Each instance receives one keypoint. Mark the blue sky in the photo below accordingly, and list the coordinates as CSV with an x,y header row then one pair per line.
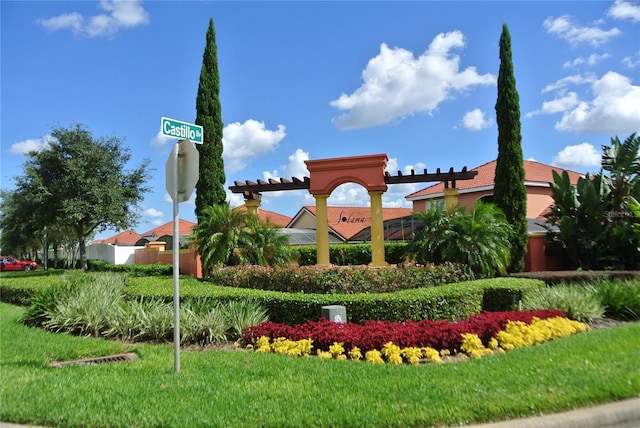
x,y
315,80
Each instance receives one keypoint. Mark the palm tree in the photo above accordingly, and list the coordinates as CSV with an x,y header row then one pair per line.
x,y
480,239
261,245
217,235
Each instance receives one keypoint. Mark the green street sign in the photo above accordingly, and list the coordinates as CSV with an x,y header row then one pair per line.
x,y
181,130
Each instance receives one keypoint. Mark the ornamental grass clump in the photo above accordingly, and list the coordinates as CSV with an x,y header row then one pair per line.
x,y
578,302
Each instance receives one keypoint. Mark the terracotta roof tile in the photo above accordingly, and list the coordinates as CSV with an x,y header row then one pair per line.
x,y
274,218
184,228
533,172
127,237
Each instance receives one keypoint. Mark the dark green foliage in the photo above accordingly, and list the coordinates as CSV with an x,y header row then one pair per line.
x,y
579,213
349,254
231,237
78,185
210,188
509,193
621,299
156,269
598,220
260,244
448,301
479,239
340,279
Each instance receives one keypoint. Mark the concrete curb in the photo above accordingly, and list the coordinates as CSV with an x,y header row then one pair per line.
x,y
620,414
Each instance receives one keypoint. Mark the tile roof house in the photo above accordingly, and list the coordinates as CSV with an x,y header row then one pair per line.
x,y
271,217
127,237
537,178
345,223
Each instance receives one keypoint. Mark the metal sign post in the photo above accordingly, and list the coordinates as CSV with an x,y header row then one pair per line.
x,y
176,261
181,177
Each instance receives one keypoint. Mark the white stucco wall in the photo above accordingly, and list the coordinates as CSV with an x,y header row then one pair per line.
x,y
115,254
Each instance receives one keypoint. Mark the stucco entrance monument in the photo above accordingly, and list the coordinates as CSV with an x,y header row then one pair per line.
x,y
368,171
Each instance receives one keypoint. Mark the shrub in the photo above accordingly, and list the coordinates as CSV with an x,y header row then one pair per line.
x,y
340,279
621,299
156,269
480,239
373,335
577,302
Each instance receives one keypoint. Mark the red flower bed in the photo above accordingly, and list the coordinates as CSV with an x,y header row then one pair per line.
x,y
375,334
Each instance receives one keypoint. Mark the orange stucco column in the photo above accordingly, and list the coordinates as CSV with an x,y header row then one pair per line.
x,y
451,199
252,205
322,230
377,232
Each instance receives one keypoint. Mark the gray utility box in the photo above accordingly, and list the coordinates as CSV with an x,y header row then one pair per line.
x,y
335,313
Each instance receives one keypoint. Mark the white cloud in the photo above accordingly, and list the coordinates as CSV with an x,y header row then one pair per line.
x,y
475,120
234,199
578,156
394,196
246,141
575,34
349,194
575,79
296,166
591,60
120,14
631,61
624,10
614,109
558,105
160,140
30,145
150,213
396,84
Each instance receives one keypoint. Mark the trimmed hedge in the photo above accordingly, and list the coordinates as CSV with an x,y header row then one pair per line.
x,y
349,254
445,302
340,279
19,289
156,269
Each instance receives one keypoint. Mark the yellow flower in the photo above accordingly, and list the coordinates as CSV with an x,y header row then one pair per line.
x,y
262,344
374,356
324,355
433,356
336,349
355,353
412,355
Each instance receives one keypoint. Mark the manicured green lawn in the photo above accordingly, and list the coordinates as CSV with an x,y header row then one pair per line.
x,y
237,388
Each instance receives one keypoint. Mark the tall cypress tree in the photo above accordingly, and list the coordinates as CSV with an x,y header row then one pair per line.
x,y
509,193
210,187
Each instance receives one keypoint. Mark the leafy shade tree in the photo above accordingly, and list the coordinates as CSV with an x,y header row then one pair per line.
x,y
510,194
479,239
79,184
210,188
21,231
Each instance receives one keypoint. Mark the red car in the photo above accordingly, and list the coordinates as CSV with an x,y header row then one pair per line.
x,y
11,263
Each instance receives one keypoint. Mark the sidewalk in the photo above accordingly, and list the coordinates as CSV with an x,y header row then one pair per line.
x,y
620,414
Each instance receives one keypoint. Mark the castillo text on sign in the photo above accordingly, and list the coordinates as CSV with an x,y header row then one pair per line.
x,y
181,130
